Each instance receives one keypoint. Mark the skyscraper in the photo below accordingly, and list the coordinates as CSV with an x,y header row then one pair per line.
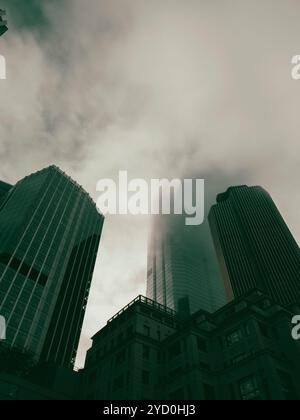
x,y
182,268
49,236
254,246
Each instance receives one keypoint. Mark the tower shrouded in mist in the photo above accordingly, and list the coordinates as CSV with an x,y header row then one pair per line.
x,y
49,236
182,268
254,246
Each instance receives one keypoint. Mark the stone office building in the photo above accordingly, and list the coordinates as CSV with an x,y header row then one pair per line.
x,y
244,351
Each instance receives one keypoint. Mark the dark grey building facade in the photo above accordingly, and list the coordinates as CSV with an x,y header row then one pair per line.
x,y
49,236
244,351
255,248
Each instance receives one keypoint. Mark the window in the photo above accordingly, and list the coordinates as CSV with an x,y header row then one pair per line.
x,y
232,392
204,365
202,346
263,330
93,377
145,377
120,358
266,304
209,392
156,316
175,373
287,386
234,337
118,382
221,343
146,330
177,395
160,357
247,330
249,389
24,269
146,352
145,311
174,350
275,333
129,331
128,378
241,357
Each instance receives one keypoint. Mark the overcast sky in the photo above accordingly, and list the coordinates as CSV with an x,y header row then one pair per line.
x,y
160,88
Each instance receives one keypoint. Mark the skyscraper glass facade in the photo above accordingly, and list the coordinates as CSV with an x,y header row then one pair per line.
x,y
182,267
254,245
49,236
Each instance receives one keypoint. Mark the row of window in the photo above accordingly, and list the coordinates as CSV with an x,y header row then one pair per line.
x,y
250,388
95,356
239,334
121,380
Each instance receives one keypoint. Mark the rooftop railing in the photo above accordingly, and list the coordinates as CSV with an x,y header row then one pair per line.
x,y
146,301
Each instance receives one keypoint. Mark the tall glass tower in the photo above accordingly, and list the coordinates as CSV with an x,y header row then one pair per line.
x,y
49,236
254,246
182,268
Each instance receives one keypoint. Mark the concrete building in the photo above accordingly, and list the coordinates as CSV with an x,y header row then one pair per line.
x,y
244,351
123,362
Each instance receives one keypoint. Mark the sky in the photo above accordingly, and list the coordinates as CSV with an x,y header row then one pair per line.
x,y
160,88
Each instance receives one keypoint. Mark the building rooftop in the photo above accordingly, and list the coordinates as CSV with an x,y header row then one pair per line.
x,y
71,180
140,300
225,195
146,301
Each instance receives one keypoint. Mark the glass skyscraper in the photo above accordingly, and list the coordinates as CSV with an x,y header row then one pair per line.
x,y
49,236
182,268
254,246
